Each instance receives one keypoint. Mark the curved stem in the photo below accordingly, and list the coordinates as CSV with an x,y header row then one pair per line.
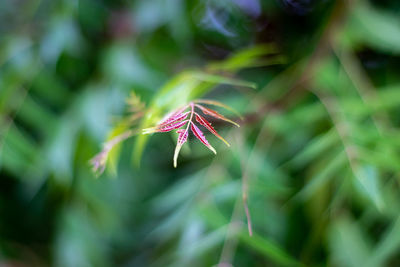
x,y
191,116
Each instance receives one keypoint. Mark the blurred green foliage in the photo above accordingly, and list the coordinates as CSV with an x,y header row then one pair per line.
x,y
317,152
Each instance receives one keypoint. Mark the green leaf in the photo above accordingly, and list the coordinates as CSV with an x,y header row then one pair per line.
x,y
250,57
368,177
217,79
268,249
195,248
384,99
323,176
314,149
387,246
348,245
377,28
36,115
113,155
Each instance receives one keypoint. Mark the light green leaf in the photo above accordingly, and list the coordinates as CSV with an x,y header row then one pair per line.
x,y
268,249
368,177
348,245
250,57
377,28
314,149
386,247
323,176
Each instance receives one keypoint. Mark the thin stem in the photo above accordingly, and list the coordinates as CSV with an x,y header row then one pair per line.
x,y
361,83
230,243
99,161
191,116
246,210
342,128
198,106
119,138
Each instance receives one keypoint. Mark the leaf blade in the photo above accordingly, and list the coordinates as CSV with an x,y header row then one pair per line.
x,y
206,124
182,137
215,114
218,104
199,134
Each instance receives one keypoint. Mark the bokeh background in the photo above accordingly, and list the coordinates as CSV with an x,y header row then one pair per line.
x,y
317,153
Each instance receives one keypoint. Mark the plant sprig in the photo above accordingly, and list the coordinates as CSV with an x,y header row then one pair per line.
x,y
185,118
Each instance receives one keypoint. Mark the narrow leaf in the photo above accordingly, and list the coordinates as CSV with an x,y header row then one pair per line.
x,y
206,124
199,134
175,118
215,114
166,128
170,117
218,104
183,135
269,249
221,79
